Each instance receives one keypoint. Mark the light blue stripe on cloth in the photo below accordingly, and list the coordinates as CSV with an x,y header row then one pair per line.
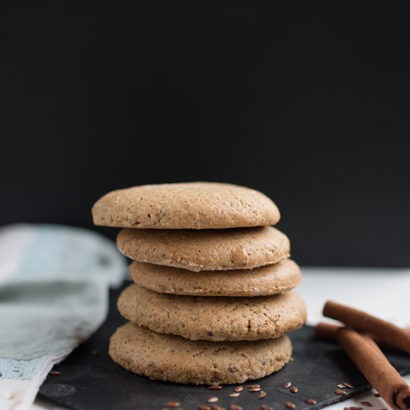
x,y
20,369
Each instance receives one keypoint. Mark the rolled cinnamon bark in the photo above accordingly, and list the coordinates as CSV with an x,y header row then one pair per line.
x,y
328,331
370,360
384,331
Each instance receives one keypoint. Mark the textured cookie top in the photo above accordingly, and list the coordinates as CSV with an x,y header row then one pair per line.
x,y
213,318
213,249
192,205
266,280
174,359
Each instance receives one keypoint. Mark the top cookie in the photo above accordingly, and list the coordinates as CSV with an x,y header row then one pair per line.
x,y
191,205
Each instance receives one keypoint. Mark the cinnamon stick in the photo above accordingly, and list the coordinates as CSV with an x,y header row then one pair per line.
x,y
384,331
370,360
328,331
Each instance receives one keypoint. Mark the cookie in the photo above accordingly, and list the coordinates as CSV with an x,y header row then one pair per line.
x,y
213,318
174,359
263,281
192,205
240,248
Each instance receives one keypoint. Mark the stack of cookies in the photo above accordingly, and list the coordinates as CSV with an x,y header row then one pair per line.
x,y
211,300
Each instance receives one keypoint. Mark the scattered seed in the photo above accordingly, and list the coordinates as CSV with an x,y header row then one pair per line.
x,y
366,403
310,401
287,385
254,389
341,392
235,407
214,387
353,408
293,389
213,399
253,386
348,385
94,352
55,373
341,386
204,407
172,404
216,407
290,405
377,395
262,395
266,407
238,388
235,394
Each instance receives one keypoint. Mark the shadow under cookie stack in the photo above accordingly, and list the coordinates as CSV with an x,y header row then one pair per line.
x,y
211,301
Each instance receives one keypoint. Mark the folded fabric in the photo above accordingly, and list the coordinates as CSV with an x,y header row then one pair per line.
x,y
54,284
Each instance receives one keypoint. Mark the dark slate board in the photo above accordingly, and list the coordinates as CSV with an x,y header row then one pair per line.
x,y
95,382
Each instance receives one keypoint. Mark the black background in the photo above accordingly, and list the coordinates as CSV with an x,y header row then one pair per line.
x,y
308,103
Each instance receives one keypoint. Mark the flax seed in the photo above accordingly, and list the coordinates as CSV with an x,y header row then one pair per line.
x,y
287,385
293,389
238,388
266,407
341,392
348,385
55,373
290,405
366,403
235,394
213,400
204,407
254,389
252,386
214,387
310,401
172,404
262,395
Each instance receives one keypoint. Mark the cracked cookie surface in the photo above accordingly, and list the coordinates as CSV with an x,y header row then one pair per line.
x,y
213,318
266,280
191,205
174,359
213,249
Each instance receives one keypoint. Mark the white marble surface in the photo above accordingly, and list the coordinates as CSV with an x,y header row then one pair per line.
x,y
383,292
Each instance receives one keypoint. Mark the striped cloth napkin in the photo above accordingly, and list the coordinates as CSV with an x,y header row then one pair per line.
x,y
54,283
